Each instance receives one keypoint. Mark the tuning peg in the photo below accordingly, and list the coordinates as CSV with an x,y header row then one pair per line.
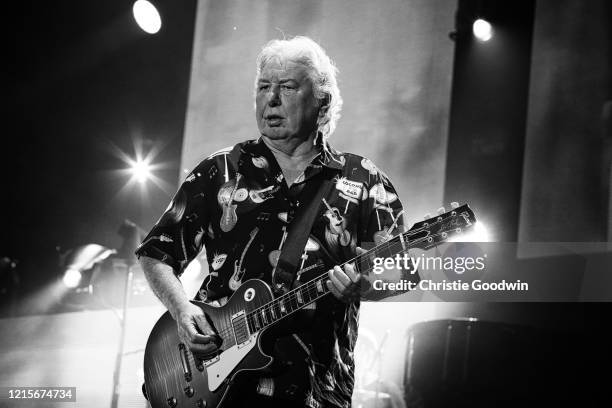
x,y
454,205
427,216
441,210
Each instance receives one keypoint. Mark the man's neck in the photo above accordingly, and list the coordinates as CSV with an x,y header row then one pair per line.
x,y
292,152
292,147
292,157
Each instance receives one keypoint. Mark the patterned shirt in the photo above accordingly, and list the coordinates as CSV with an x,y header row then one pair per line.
x,y
237,205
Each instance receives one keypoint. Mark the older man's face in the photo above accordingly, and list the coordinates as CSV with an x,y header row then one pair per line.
x,y
285,106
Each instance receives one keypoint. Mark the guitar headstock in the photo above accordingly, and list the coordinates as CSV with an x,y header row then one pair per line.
x,y
445,225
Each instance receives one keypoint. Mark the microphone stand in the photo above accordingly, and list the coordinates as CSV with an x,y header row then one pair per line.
x,y
379,353
129,277
131,238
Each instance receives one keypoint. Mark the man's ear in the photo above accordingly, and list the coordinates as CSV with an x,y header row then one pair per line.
x,y
324,106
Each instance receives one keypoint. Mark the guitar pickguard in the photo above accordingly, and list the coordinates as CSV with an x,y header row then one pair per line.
x,y
220,368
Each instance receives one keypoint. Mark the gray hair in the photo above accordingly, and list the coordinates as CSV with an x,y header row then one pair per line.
x,y
321,71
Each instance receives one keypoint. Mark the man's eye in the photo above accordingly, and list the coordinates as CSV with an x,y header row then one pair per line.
x,y
263,87
287,87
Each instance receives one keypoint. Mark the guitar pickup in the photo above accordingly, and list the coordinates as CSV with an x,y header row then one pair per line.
x,y
240,327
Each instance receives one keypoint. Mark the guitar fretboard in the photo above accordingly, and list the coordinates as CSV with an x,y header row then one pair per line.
x,y
425,235
313,290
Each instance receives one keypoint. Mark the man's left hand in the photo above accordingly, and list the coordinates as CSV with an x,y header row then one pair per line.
x,y
345,284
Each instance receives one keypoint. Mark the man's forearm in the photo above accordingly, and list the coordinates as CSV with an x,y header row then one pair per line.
x,y
164,284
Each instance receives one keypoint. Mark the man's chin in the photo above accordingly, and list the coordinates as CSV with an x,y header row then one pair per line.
x,y
275,134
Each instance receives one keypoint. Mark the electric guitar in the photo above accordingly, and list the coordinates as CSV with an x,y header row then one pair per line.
x,y
174,377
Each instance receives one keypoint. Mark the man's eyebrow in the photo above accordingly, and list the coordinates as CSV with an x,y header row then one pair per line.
x,y
282,81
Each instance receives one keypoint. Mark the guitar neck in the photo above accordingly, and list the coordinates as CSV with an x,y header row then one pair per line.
x,y
300,297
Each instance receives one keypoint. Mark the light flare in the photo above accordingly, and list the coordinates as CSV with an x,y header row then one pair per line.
x,y
72,278
482,30
147,17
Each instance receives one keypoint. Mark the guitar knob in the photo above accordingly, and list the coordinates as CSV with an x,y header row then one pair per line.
x,y
200,364
454,205
189,391
171,402
200,403
441,210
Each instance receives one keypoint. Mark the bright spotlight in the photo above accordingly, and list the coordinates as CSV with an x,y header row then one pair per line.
x,y
141,171
482,30
141,166
147,16
72,278
478,233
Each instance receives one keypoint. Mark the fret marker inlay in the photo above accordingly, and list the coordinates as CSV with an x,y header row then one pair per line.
x,y
319,286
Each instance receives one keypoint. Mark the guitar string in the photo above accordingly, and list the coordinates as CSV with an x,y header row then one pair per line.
x,y
292,295
253,318
307,287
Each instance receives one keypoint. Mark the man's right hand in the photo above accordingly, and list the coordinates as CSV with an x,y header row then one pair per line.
x,y
195,331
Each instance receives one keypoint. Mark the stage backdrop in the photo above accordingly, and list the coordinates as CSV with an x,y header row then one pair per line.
x,y
566,172
395,62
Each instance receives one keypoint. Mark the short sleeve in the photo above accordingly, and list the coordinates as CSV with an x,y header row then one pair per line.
x,y
383,211
177,237
384,220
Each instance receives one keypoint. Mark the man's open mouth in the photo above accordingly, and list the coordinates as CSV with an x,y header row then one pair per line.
x,y
274,120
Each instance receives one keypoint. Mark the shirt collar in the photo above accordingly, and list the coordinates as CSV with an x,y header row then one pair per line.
x,y
329,157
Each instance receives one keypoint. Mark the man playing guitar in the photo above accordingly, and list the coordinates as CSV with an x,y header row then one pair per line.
x,y
220,206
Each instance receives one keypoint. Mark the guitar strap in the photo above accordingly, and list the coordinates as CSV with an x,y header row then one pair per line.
x,y
297,236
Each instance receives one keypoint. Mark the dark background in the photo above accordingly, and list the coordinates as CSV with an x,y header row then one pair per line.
x,y
85,82
527,136
83,77
527,140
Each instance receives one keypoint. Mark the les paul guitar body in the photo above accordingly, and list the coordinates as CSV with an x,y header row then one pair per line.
x,y
174,377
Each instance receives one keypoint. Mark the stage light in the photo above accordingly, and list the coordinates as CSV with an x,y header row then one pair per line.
x,y
482,30
81,259
141,166
478,233
141,170
72,278
147,16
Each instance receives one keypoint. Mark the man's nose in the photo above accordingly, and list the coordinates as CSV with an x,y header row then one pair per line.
x,y
274,95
